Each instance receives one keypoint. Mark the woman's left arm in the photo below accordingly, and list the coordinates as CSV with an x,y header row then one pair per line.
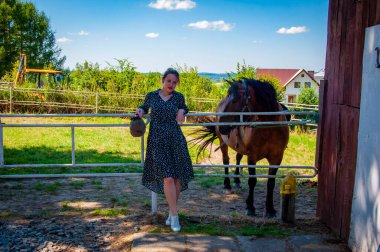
x,y
182,109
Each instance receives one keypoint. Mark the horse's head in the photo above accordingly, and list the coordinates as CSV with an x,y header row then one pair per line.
x,y
238,99
246,95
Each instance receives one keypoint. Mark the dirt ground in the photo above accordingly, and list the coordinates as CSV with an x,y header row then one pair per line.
x,y
101,214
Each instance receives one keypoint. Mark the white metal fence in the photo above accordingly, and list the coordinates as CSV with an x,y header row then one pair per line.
x,y
141,164
76,125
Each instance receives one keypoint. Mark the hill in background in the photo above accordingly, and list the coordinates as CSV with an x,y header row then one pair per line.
x,y
215,77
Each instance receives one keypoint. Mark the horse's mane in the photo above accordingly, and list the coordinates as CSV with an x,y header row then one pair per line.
x,y
265,94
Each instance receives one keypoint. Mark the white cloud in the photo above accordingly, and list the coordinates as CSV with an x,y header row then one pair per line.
x,y
83,33
219,25
80,33
152,35
63,40
292,30
257,41
173,4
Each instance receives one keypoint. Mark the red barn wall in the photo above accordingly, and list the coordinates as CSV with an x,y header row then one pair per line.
x,y
339,109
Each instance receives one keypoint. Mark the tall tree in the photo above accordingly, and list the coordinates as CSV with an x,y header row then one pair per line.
x,y
24,29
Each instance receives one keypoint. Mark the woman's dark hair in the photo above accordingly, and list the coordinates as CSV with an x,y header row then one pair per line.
x,y
170,71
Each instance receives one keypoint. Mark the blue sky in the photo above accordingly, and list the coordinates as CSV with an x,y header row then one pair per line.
x,y
213,35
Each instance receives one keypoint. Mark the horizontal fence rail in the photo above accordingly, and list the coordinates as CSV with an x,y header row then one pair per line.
x,y
13,97
298,106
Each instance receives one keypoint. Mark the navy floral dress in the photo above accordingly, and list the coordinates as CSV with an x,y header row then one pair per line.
x,y
167,154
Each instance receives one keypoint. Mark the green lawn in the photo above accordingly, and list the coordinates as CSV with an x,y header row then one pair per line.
x,y
103,145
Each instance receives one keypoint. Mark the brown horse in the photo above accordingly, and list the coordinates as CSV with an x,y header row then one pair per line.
x,y
249,95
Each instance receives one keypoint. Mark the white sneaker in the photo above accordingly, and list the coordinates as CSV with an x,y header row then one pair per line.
x,y
175,223
168,221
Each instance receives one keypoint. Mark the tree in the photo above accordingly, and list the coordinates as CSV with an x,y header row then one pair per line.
x,y
308,96
23,29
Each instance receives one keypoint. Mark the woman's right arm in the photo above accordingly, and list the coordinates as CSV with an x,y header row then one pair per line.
x,y
144,109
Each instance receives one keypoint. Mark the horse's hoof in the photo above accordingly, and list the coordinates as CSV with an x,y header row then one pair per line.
x,y
251,212
271,214
227,191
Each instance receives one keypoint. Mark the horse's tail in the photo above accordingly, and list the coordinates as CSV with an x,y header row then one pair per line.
x,y
203,137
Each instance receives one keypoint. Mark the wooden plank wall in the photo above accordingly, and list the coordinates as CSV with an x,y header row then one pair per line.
x,y
340,107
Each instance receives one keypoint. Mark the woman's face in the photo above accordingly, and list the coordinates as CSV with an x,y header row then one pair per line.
x,y
169,83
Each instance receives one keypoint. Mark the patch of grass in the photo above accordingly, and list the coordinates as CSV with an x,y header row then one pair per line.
x,y
77,184
45,214
235,214
208,182
207,228
118,202
110,212
17,187
122,203
147,203
48,188
265,230
53,145
112,145
96,182
7,214
66,207
215,228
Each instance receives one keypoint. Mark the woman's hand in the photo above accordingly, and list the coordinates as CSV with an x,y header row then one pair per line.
x,y
180,116
139,112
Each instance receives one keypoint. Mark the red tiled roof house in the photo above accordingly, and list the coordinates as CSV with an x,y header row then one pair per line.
x,y
293,80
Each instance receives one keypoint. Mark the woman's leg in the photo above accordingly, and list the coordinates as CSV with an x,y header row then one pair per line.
x,y
177,183
171,195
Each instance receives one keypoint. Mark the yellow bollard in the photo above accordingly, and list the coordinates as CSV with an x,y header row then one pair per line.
x,y
288,198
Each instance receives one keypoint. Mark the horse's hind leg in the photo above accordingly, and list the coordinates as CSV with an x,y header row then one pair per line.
x,y
252,183
226,161
237,170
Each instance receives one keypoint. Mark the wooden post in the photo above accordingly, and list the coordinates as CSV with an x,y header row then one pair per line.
x,y
288,198
96,102
1,145
10,99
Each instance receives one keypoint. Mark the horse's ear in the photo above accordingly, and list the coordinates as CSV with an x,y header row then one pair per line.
x,y
229,82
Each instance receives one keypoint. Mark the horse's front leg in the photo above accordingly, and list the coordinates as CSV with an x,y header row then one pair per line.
x,y
237,170
252,183
270,211
226,161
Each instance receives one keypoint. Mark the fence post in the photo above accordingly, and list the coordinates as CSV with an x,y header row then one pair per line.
x,y
72,145
96,102
10,99
154,195
1,144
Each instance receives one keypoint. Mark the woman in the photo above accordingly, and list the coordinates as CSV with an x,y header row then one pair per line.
x,y
167,168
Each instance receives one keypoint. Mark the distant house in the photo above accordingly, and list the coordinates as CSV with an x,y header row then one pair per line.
x,y
319,76
293,80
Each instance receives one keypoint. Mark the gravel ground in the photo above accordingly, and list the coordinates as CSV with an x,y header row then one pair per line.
x,y
102,214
